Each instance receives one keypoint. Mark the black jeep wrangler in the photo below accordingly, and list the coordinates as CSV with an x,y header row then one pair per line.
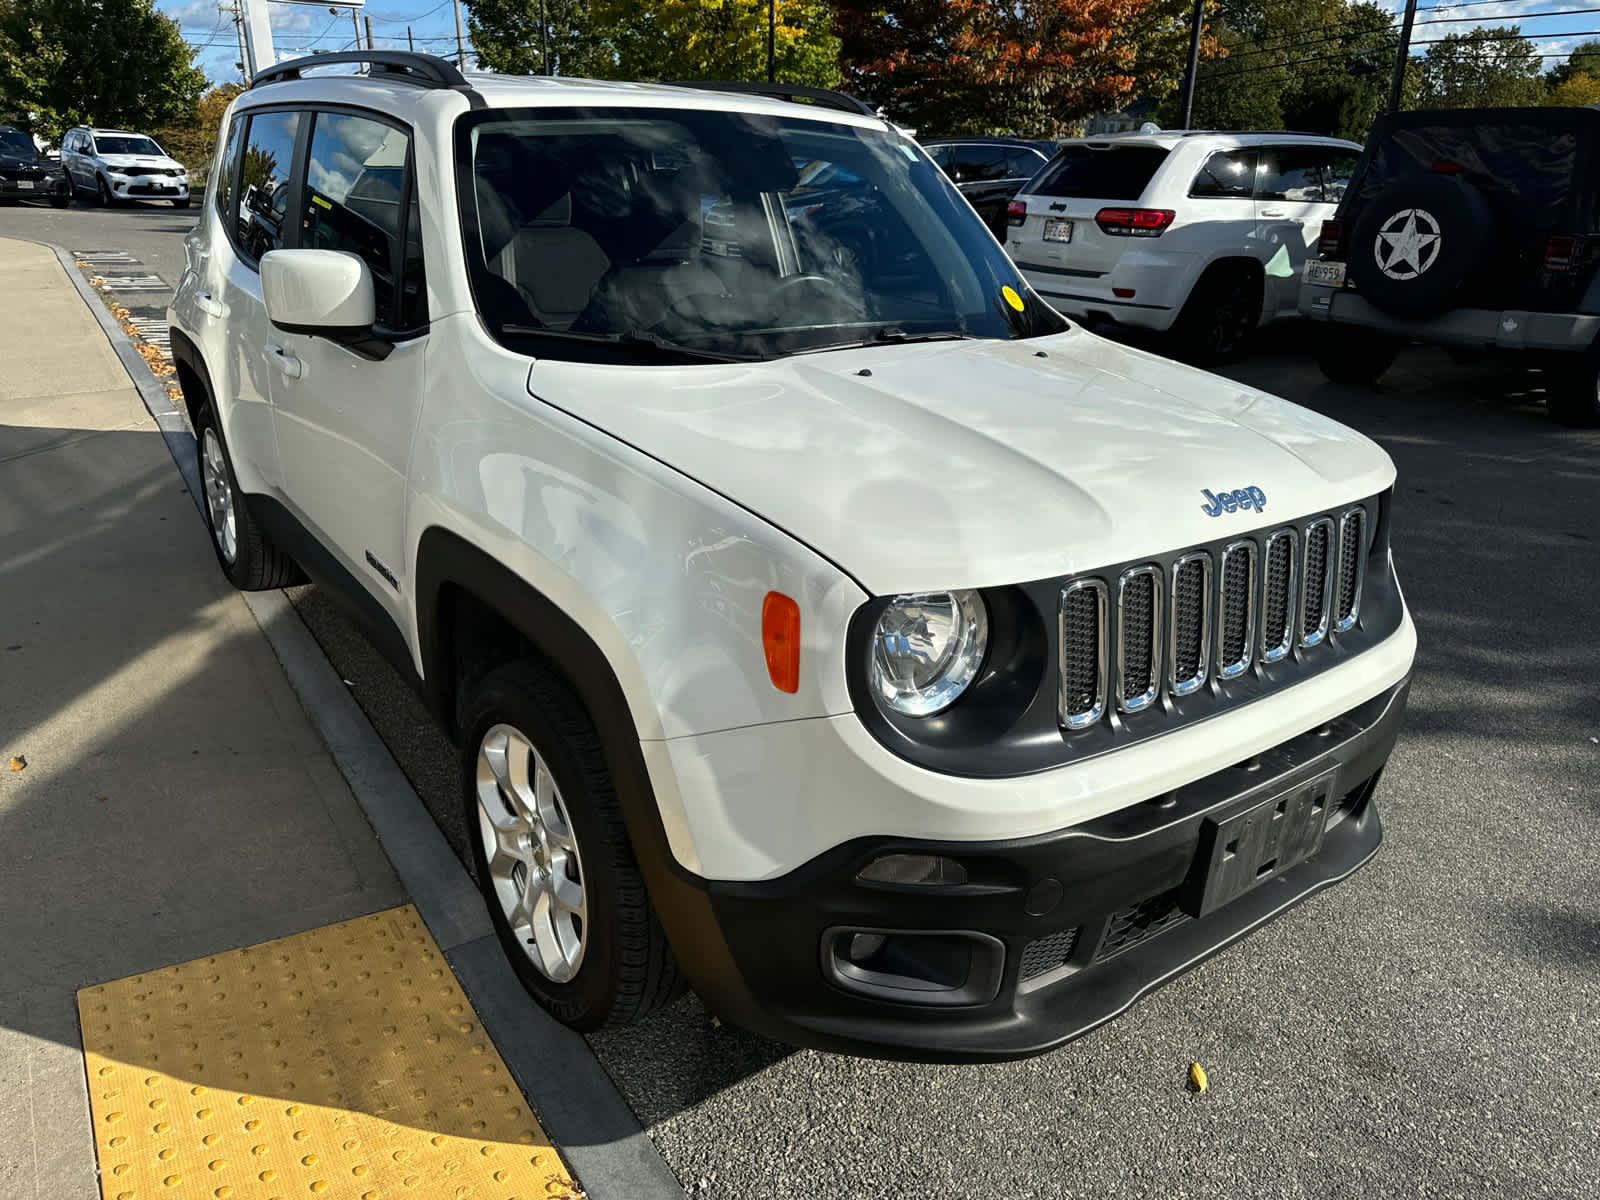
x,y
1471,228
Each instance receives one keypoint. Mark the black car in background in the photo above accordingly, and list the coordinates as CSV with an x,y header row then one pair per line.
x,y
1477,229
25,174
990,170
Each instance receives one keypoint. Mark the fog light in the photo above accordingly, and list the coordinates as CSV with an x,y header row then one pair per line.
x,y
914,869
915,966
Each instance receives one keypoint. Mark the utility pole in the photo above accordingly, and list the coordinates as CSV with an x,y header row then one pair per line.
x,y
244,56
356,21
1401,55
772,39
369,34
1193,68
544,41
461,45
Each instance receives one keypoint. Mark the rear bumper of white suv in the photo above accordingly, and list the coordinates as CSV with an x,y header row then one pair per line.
x,y
1145,289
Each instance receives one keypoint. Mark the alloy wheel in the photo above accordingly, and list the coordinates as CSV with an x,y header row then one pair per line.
x,y
219,496
534,866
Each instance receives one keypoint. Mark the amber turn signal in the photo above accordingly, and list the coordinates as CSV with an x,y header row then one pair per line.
x,y
780,637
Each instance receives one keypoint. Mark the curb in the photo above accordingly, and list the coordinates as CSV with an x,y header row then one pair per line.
x,y
578,1105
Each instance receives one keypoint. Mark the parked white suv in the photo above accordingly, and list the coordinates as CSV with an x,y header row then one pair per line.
x,y
823,620
1202,234
113,165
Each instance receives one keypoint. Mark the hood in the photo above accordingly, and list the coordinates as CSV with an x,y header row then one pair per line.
x,y
12,161
970,464
140,160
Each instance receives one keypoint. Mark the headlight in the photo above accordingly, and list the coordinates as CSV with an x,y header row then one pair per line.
x,y
927,649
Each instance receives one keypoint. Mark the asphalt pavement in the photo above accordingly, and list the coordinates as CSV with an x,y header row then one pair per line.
x,y
1426,1028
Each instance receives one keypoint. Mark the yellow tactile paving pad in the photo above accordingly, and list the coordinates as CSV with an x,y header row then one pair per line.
x,y
342,1062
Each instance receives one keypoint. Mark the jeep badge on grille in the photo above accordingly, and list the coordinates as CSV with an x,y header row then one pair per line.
x,y
1245,498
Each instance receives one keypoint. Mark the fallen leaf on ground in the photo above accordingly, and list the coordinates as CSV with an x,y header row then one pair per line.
x,y
18,762
1197,1077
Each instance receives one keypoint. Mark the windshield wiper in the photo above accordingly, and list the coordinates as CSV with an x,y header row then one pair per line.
x,y
894,335
632,338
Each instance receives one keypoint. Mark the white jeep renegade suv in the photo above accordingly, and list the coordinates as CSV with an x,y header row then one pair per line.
x,y
824,621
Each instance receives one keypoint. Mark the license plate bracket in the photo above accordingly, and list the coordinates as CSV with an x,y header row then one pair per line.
x,y
1057,230
1241,851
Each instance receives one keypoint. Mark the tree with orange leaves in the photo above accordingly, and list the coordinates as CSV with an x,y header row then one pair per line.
x,y
1010,66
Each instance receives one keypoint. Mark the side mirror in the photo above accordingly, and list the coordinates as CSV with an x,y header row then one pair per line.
x,y
326,292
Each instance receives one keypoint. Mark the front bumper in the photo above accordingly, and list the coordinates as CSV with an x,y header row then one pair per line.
x,y
1063,931
42,189
149,187
1506,329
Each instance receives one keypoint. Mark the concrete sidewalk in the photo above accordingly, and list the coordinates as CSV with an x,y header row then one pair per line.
x,y
176,800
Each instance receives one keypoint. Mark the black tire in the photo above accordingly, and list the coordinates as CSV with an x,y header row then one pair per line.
x,y
256,564
1456,228
1573,396
103,192
1221,313
626,969
1350,354
184,203
61,201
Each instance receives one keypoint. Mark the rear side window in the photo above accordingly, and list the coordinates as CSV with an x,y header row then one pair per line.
x,y
1108,172
227,166
1292,173
1337,173
355,200
263,181
1227,174
1021,163
975,164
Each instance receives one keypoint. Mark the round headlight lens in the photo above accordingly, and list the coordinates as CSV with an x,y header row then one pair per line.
x,y
927,649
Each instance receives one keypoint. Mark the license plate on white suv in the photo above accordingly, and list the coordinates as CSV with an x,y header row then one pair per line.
x,y
1058,231
1328,274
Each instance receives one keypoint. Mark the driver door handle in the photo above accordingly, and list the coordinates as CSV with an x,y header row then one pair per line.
x,y
210,305
286,361
1273,212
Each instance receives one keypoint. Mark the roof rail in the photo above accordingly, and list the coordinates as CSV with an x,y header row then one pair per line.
x,y
425,70
842,101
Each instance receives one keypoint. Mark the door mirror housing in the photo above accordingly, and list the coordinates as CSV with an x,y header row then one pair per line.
x,y
326,292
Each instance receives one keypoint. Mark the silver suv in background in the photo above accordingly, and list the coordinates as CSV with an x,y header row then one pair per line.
x,y
113,165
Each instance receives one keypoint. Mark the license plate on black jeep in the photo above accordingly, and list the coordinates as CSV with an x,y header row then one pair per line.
x,y
1240,852
1328,274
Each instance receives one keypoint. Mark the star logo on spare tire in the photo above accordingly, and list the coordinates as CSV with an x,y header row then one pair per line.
x,y
1408,244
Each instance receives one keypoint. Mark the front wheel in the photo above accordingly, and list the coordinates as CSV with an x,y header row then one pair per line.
x,y
1574,393
184,203
1347,354
552,856
248,557
62,200
102,192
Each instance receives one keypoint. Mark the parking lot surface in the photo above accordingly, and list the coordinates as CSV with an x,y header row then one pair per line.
x,y
1426,1028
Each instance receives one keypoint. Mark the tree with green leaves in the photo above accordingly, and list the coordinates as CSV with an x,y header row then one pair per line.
x,y
1482,68
720,39
510,35
1577,90
1584,60
99,62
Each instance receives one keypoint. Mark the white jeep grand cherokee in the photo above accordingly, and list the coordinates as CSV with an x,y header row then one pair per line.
x,y
824,621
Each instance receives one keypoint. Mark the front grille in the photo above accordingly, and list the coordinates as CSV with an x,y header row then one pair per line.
x,y
1140,922
1352,569
1251,607
1138,638
1316,582
1047,953
1083,653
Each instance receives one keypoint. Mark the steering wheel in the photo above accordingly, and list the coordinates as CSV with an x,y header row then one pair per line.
x,y
795,282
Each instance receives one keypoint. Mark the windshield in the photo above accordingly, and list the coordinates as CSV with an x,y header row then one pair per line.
x,y
731,235
110,143
12,142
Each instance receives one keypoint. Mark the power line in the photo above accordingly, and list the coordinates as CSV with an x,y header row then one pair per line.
x,y
1389,32
418,17
1345,56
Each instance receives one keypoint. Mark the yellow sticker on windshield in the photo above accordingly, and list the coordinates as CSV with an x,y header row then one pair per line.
x,y
1011,297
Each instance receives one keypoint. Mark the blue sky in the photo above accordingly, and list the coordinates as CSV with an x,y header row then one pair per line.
x,y
300,28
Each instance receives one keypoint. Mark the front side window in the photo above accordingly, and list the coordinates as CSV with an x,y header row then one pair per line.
x,y
263,182
113,143
1292,173
1227,174
714,234
354,193
977,164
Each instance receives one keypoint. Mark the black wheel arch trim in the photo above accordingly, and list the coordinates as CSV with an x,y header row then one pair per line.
x,y
681,902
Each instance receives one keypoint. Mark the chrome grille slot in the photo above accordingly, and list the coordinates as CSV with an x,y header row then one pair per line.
x,y
1277,596
1352,569
1236,615
1083,653
1138,638
1316,582
1189,623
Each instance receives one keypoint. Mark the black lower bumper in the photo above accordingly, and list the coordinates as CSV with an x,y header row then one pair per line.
x,y
1050,936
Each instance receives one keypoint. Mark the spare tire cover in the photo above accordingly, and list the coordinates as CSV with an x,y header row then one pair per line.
x,y
1417,243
